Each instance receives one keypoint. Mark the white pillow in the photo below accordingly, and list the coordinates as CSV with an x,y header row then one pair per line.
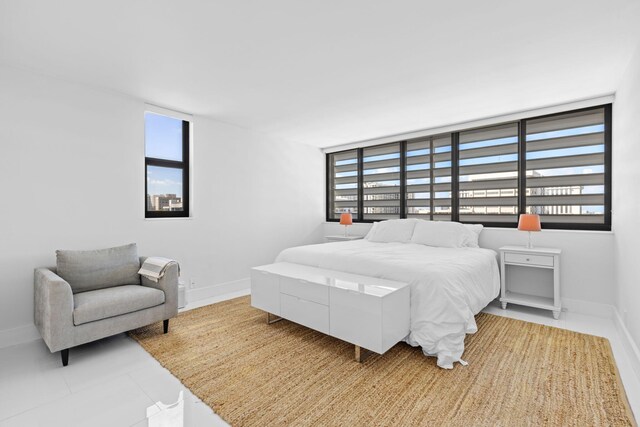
x,y
472,235
372,231
442,234
392,230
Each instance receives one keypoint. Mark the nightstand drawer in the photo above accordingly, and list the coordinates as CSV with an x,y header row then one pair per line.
x,y
512,257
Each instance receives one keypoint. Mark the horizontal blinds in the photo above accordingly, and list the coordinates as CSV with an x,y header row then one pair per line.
x,y
563,174
428,178
488,174
343,183
381,182
565,179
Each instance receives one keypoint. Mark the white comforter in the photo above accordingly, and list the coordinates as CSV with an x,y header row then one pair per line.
x,y
448,286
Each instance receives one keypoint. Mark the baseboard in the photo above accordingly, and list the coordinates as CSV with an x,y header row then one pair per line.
x,y
210,292
630,346
587,307
19,335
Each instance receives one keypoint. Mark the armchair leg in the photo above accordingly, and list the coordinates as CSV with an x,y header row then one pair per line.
x,y
65,356
165,324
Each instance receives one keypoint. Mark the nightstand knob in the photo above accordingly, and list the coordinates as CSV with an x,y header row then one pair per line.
x,y
528,259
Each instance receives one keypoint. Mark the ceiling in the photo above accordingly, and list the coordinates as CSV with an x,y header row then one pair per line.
x,y
329,72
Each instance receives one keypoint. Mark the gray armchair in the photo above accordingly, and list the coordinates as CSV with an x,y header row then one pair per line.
x,y
96,294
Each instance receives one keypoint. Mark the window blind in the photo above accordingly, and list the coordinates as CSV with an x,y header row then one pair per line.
x,y
381,182
428,178
558,166
488,174
343,183
565,162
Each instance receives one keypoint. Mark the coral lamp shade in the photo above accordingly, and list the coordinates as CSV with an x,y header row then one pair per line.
x,y
529,222
346,219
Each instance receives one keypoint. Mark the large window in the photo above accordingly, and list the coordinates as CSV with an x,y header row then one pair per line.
x,y
166,166
558,166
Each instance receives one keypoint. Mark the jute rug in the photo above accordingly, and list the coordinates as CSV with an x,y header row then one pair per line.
x,y
519,373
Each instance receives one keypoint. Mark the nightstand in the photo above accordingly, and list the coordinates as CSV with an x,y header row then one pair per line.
x,y
338,238
548,258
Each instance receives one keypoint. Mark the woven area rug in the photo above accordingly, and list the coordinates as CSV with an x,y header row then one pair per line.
x,y
519,373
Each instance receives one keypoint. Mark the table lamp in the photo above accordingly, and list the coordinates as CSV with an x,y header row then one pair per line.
x,y
346,219
529,222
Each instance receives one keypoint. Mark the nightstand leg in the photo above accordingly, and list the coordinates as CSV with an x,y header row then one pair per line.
x,y
504,305
556,314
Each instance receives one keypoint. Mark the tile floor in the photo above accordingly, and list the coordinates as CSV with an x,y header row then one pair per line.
x,y
114,382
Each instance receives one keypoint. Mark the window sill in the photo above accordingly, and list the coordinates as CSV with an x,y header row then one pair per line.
x,y
555,230
510,229
177,218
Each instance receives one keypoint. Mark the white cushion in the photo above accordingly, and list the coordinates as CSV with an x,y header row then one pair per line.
x,y
472,235
442,234
392,230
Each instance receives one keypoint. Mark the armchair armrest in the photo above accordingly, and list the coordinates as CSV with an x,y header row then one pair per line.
x,y
169,285
53,313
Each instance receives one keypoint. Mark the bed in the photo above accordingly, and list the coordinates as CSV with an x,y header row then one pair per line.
x,y
449,285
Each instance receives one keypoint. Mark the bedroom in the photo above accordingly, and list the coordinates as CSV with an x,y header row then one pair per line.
x,y
265,98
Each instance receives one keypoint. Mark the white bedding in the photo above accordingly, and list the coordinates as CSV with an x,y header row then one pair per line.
x,y
448,285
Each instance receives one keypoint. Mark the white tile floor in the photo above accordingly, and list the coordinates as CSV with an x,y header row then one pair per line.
x,y
114,382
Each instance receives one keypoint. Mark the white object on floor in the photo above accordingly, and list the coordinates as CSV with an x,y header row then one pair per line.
x,y
547,258
368,312
448,285
182,295
169,415
337,238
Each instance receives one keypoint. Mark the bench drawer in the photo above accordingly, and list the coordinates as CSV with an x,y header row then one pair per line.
x,y
304,289
305,312
513,257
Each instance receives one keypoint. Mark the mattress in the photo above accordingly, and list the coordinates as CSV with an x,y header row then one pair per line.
x,y
448,285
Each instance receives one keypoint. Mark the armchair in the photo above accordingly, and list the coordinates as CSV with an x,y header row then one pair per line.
x,y
71,312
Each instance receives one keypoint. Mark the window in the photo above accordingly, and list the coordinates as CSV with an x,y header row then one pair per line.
x,y
488,174
428,178
565,161
558,166
342,183
166,166
381,182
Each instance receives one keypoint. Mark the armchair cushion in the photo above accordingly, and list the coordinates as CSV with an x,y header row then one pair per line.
x,y
115,301
98,269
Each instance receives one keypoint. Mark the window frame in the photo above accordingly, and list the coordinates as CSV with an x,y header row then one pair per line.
x,y
174,164
522,177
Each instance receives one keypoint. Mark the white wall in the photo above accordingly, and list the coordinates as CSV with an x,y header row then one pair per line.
x,y
626,196
586,273
72,176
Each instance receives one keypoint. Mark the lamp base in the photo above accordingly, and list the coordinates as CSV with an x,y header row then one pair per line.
x,y
529,245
